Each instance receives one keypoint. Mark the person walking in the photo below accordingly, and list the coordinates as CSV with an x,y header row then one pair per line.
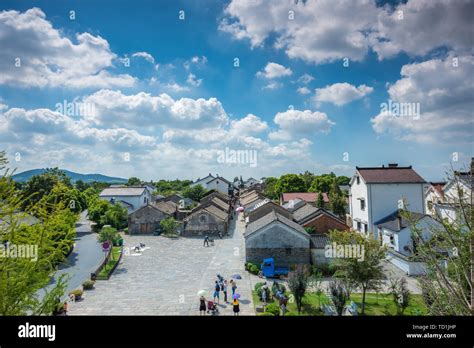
x,y
206,241
264,293
234,287
236,307
202,306
216,292
224,290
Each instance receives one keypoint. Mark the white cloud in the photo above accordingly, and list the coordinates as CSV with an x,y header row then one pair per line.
x,y
196,60
444,96
297,124
341,93
305,79
145,55
274,70
272,85
143,110
193,80
303,90
250,124
327,30
49,59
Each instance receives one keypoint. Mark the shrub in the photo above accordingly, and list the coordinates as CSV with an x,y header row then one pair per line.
x,y
273,308
258,286
266,314
326,269
88,284
254,269
77,294
291,314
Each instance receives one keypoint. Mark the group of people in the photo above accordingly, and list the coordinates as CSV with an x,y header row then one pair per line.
x,y
221,284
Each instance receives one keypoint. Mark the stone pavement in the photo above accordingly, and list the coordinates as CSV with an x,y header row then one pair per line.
x,y
164,278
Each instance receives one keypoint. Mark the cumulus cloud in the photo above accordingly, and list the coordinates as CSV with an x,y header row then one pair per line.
x,y
303,90
193,80
328,30
442,92
34,54
113,108
297,124
305,79
250,124
145,55
273,71
341,93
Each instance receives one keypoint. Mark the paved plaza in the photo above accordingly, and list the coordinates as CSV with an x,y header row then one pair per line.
x,y
164,279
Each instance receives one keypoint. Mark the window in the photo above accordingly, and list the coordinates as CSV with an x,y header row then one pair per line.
x,y
288,251
359,226
202,218
362,204
358,180
392,240
366,228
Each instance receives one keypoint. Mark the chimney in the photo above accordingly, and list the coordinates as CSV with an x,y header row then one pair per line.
x,y
393,165
399,222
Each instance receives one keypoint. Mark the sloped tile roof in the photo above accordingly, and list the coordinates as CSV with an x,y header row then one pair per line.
x,y
387,175
310,197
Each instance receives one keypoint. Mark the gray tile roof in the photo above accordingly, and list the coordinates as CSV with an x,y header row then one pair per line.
x,y
391,222
271,217
216,212
304,211
319,241
122,191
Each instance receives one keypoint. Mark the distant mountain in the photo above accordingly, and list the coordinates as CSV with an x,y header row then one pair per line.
x,y
25,176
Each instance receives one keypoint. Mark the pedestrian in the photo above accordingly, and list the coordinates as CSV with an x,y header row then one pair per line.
x,y
216,292
202,306
235,305
224,290
206,241
264,293
234,287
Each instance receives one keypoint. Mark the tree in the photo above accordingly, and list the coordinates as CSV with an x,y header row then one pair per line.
x,y
47,240
269,190
70,196
322,183
41,185
169,226
289,183
317,285
97,209
400,293
308,178
134,181
447,253
363,269
196,192
338,294
115,216
343,180
320,200
108,233
298,281
81,186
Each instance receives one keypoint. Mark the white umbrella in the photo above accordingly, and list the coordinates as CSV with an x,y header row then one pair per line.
x,y
202,292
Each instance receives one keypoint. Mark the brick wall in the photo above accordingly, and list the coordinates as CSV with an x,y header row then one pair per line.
x,y
325,223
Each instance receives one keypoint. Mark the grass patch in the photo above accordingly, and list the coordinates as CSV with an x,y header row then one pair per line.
x,y
381,304
105,272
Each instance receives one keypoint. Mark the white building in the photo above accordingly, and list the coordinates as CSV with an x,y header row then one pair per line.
x,y
217,182
376,192
132,197
396,232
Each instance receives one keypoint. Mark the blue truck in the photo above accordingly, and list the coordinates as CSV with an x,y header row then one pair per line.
x,y
269,270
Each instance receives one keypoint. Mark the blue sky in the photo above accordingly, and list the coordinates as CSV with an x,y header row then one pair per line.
x,y
182,101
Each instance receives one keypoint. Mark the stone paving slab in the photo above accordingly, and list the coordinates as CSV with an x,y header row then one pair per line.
x,y
165,278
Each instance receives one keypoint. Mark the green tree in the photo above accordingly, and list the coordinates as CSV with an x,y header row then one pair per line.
x,y
22,278
339,294
134,181
195,192
447,289
364,270
115,216
69,196
41,185
299,280
97,209
322,183
308,178
81,185
269,190
320,200
289,183
400,293
343,180
108,233
169,226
